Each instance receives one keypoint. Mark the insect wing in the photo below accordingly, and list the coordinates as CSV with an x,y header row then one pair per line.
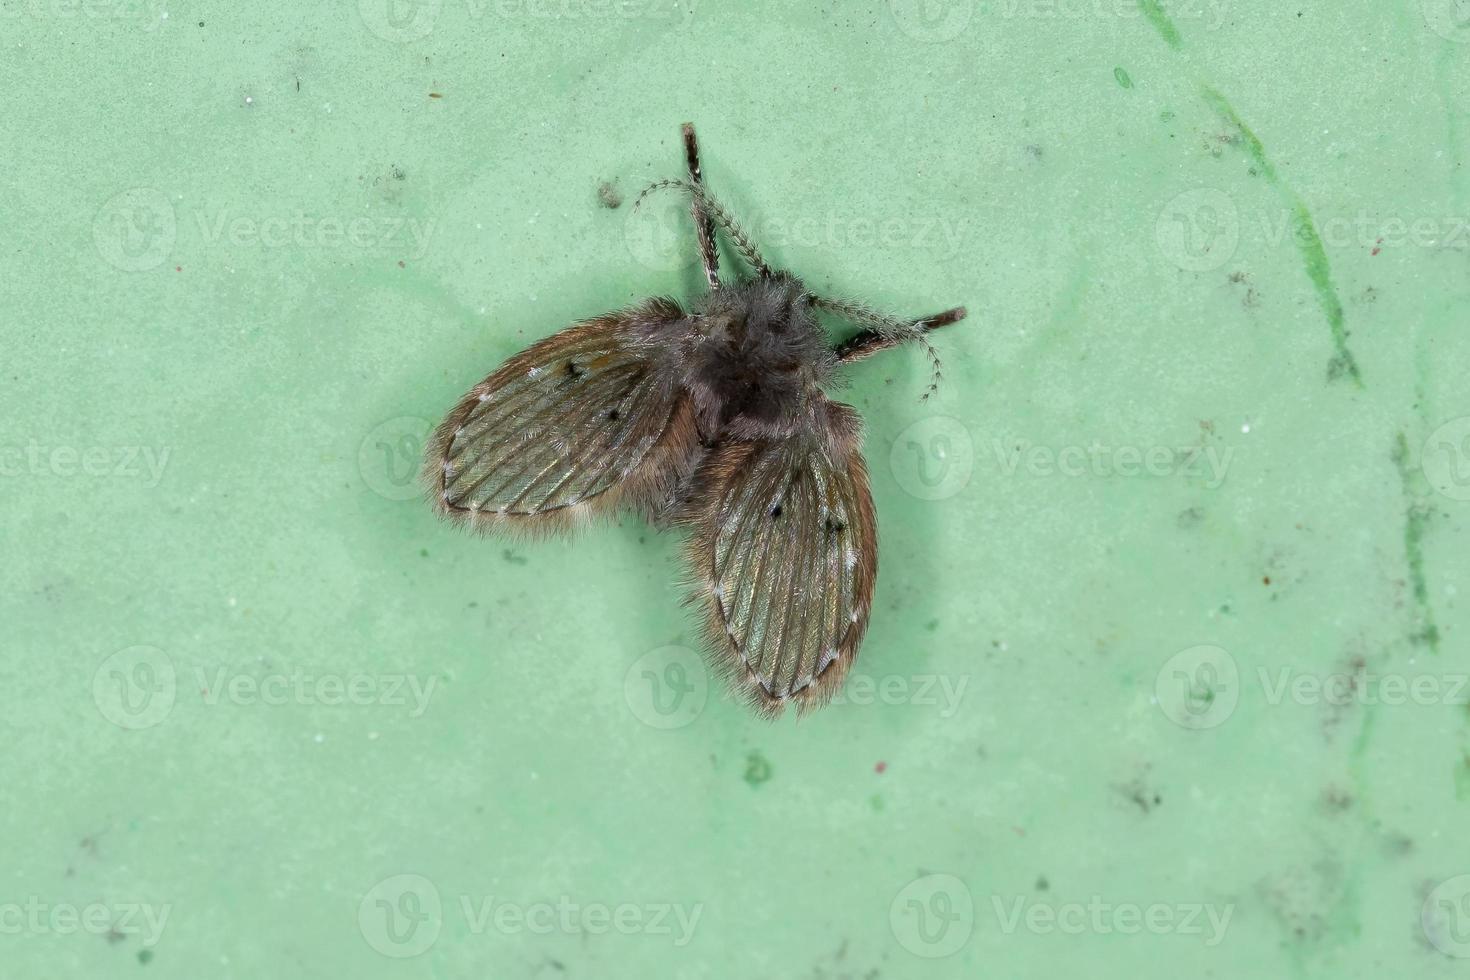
x,y
575,424
784,551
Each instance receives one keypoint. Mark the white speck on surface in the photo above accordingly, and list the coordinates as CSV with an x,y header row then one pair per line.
x,y
319,738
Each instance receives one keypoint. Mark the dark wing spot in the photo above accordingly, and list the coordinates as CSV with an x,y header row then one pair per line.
x,y
612,414
573,370
834,527
776,511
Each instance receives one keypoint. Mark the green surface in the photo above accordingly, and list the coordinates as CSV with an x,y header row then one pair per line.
x,y
1166,673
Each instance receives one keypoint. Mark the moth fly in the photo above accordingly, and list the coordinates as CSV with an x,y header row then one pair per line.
x,y
712,419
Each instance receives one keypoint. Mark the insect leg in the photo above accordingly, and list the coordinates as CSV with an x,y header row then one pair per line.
x,y
722,217
883,335
703,226
882,332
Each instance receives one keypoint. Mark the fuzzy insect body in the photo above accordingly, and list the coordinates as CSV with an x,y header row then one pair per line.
x,y
712,419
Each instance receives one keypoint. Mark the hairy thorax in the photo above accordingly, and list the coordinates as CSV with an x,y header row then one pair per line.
x,y
757,357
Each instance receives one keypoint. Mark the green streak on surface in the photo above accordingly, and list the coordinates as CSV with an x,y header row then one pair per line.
x,y
1122,77
1309,243
1154,11
1356,760
1252,142
1416,521
1319,270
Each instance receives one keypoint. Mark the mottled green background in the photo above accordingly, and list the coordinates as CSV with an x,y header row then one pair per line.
x,y
1166,669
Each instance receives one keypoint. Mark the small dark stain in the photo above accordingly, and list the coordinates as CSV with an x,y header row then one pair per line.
x,y
1192,517
1137,793
1252,298
1122,77
145,956
1341,366
513,558
932,625
880,767
436,95
1034,152
757,769
1041,883
423,552
1397,845
396,172
609,196
1335,799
